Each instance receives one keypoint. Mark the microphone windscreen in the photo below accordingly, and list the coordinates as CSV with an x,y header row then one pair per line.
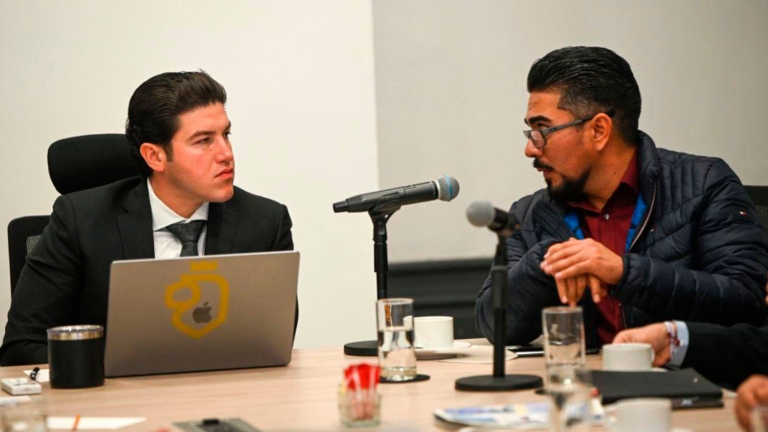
x,y
449,187
481,213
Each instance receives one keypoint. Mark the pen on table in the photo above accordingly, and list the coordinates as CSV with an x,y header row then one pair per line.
x,y
77,420
33,374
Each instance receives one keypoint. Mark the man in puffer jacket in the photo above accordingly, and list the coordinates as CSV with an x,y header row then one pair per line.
x,y
632,233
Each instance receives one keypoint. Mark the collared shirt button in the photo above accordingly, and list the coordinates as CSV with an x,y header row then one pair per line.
x,y
606,216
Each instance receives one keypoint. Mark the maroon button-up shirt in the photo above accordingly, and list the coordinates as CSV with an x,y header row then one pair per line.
x,y
611,227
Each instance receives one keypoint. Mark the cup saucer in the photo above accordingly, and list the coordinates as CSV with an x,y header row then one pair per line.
x,y
441,353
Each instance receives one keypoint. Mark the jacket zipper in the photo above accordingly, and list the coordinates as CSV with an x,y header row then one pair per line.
x,y
639,233
648,218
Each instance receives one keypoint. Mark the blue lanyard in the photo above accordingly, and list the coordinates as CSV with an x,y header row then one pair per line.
x,y
572,220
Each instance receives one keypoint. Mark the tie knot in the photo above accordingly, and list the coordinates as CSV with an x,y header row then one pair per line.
x,y
188,232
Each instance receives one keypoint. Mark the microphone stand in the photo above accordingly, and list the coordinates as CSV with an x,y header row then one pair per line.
x,y
499,381
380,214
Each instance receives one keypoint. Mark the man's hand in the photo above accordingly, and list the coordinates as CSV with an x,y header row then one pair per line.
x,y
752,392
654,334
572,289
583,257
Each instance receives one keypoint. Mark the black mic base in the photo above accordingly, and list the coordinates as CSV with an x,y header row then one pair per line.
x,y
490,383
368,348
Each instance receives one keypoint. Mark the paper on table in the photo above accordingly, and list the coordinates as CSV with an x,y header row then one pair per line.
x,y
478,354
42,375
533,415
109,423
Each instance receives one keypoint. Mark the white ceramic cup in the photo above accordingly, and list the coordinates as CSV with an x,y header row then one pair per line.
x,y
639,415
433,332
628,357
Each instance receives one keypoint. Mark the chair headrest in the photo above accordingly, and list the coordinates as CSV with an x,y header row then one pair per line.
x,y
759,194
89,161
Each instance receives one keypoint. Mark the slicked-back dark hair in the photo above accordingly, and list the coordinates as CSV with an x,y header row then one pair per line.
x,y
590,80
155,107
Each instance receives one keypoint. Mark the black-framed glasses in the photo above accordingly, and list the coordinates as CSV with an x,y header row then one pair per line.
x,y
539,136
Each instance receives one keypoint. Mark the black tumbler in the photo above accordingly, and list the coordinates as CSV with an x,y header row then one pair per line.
x,y
76,356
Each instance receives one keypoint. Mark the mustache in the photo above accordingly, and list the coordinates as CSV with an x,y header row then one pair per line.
x,y
538,164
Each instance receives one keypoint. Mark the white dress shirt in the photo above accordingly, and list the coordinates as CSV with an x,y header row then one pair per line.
x,y
166,244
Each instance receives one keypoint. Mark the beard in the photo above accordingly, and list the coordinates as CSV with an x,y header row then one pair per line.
x,y
572,190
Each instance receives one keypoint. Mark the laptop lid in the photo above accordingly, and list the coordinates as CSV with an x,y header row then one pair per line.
x,y
201,313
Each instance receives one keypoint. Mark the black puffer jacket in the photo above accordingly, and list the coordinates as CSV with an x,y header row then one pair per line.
x,y
700,254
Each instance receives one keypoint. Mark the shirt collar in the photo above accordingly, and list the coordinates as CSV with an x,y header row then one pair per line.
x,y
630,175
162,215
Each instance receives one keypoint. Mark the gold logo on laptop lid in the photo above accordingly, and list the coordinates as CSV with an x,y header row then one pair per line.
x,y
200,314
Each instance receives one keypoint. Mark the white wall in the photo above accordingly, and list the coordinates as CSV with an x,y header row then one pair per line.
x,y
301,99
451,96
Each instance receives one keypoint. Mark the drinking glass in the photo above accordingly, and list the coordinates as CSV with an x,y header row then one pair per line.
x,y
360,408
26,416
397,357
568,380
760,418
564,348
570,407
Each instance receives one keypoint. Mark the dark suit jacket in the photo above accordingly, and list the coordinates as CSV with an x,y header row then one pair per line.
x,y
66,278
727,355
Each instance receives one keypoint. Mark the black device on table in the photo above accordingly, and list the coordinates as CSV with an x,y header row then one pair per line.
x,y
214,425
696,402
538,350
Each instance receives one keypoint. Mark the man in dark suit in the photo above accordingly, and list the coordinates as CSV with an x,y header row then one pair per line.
x,y
724,355
730,356
184,203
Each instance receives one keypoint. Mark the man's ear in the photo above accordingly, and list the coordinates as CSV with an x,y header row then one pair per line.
x,y
602,126
154,155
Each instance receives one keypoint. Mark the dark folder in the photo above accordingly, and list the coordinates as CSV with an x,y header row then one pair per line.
x,y
685,383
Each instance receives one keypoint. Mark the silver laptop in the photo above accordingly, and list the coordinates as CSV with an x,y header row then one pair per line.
x,y
201,313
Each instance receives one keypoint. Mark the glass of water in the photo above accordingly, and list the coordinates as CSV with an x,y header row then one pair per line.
x,y
568,380
564,348
760,418
397,357
27,416
570,405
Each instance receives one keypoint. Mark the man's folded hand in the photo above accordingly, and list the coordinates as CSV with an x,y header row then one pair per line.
x,y
578,264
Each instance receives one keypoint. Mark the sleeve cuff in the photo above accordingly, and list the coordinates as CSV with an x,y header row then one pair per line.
x,y
679,351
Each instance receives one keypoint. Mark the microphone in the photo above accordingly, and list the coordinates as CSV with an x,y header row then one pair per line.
x,y
445,188
484,214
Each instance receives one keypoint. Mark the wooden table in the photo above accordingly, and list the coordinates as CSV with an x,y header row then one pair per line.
x,y
302,396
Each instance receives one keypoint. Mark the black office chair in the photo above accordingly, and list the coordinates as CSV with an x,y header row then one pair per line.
x,y
759,195
74,164
89,161
23,234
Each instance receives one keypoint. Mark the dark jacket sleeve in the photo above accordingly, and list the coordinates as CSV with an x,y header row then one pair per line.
x,y
732,253
283,238
47,290
727,356
528,291
284,242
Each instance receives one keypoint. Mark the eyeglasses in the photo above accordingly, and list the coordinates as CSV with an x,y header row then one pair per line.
x,y
539,136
